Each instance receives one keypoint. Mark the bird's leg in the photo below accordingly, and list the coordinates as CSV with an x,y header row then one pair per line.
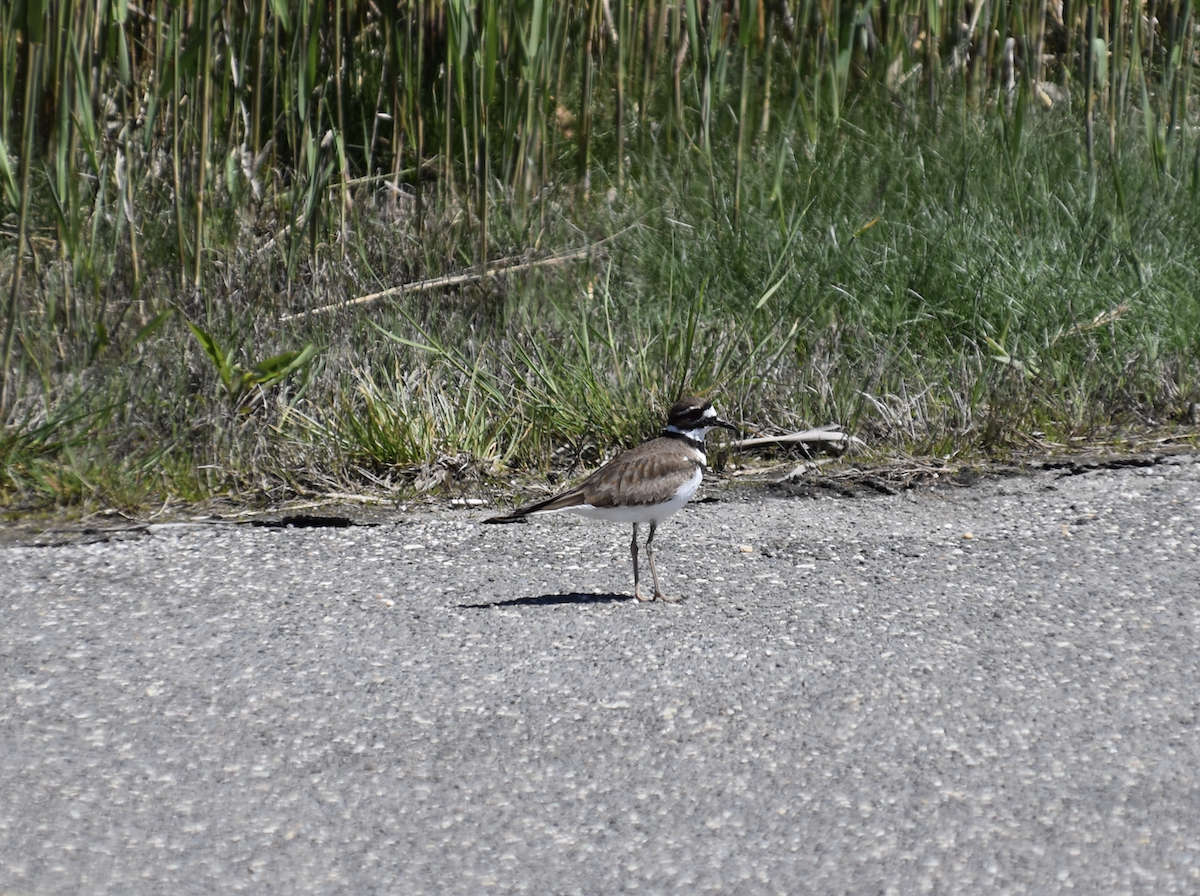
x,y
637,591
658,595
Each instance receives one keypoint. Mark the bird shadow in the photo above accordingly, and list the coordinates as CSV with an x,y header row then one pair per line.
x,y
550,600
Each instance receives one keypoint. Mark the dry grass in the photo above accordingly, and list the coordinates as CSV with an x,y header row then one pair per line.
x,y
943,226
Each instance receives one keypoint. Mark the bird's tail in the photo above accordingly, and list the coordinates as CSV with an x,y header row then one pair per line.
x,y
558,502
515,517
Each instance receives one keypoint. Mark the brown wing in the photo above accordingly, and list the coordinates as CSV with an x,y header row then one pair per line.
x,y
641,475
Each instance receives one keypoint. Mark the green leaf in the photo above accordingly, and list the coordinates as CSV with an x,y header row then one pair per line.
x,y
692,17
35,20
491,49
766,296
1003,356
314,45
746,23
276,369
280,10
151,328
532,43
82,112
434,349
214,353
166,82
123,72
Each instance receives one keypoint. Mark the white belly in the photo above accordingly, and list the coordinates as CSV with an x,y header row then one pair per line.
x,y
644,513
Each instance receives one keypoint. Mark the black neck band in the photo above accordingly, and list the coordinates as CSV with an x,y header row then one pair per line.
x,y
698,444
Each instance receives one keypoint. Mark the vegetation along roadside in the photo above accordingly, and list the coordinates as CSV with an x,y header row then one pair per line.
x,y
265,249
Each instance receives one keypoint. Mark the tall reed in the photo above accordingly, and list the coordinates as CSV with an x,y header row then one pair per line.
x,y
493,88
145,148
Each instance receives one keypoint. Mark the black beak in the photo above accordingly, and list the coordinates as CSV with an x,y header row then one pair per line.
x,y
725,424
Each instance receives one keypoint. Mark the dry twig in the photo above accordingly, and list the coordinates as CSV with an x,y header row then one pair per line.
x,y
504,267
828,433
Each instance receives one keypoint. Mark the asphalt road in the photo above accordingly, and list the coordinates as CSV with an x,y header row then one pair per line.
x,y
991,689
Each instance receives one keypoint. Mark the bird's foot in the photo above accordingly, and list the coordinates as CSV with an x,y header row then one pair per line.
x,y
637,592
658,595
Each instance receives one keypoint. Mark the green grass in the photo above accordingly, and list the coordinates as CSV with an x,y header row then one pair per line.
x,y
931,292
940,266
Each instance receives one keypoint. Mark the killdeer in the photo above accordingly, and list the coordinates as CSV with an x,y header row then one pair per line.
x,y
643,485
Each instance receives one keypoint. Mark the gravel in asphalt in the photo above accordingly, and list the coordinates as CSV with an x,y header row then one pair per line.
x,y
991,689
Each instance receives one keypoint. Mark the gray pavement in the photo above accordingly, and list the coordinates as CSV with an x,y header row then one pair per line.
x,y
980,690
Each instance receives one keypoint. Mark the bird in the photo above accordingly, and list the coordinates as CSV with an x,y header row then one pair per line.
x,y
645,484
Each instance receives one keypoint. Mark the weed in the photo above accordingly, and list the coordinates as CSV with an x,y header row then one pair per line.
x,y
940,224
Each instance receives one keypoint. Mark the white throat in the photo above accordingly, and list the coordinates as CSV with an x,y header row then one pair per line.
x,y
696,434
